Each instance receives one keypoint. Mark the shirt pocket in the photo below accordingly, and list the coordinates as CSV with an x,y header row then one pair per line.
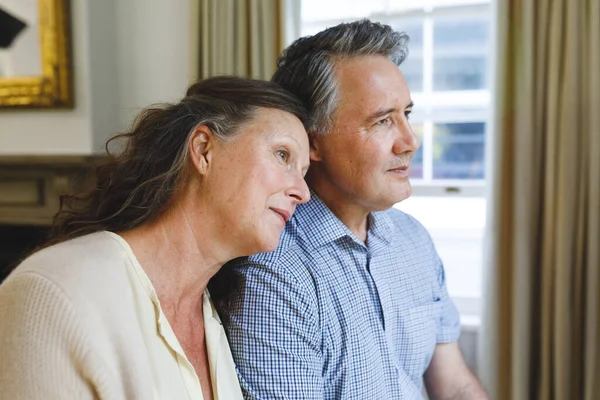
x,y
417,338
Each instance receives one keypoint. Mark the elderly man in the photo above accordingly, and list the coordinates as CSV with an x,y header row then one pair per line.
x,y
353,303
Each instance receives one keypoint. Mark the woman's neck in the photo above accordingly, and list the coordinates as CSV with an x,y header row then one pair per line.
x,y
179,258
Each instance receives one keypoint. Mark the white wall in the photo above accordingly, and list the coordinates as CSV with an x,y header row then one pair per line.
x,y
127,54
153,53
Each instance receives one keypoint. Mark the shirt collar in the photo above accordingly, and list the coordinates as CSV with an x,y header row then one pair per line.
x,y
381,228
321,226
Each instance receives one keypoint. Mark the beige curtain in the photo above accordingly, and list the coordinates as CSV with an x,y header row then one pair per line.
x,y
542,328
240,37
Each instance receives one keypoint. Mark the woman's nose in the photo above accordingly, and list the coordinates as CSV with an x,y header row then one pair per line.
x,y
298,190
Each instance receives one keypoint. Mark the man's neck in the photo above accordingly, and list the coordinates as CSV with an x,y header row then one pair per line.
x,y
352,215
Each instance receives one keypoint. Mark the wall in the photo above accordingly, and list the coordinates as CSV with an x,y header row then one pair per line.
x,y
127,54
153,53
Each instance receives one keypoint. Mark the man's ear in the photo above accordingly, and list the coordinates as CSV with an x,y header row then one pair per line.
x,y
202,144
314,140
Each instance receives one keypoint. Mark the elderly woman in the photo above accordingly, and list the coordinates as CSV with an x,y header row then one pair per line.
x,y
115,306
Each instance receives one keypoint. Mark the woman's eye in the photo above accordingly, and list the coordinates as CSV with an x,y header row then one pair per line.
x,y
284,155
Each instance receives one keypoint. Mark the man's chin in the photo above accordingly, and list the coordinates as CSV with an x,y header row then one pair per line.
x,y
391,199
407,193
402,193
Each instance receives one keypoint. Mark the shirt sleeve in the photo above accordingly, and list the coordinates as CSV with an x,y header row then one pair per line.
x,y
41,351
448,329
274,334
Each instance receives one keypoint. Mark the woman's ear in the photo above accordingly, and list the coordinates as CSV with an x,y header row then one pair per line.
x,y
315,146
201,148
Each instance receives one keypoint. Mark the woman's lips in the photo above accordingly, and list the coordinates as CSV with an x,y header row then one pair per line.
x,y
284,214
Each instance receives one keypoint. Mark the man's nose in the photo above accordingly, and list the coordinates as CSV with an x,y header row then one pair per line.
x,y
406,140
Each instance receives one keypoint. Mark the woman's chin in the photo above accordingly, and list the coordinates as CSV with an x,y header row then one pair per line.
x,y
263,241
267,245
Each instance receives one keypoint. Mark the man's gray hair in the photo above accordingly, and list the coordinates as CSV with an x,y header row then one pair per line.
x,y
306,67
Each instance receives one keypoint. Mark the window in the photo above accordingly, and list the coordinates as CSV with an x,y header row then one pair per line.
x,y
447,71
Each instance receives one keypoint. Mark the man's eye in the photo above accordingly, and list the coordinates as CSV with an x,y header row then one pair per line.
x,y
384,121
407,114
284,155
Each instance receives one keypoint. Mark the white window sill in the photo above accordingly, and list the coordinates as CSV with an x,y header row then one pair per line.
x,y
470,323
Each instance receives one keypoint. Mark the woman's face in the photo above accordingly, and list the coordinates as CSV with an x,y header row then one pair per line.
x,y
256,180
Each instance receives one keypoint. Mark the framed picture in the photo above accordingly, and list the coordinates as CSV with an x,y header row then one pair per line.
x,y
35,59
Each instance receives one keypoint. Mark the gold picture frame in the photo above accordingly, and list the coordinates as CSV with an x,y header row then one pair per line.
x,y
54,87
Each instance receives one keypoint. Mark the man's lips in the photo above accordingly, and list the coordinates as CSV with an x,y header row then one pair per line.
x,y
401,168
284,214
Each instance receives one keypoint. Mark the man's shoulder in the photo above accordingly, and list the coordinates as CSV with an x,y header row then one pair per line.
x,y
290,261
293,245
403,222
288,257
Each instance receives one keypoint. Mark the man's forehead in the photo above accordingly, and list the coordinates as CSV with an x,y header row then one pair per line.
x,y
372,84
367,74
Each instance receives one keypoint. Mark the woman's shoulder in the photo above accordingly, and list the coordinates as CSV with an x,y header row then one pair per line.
x,y
97,249
67,309
83,265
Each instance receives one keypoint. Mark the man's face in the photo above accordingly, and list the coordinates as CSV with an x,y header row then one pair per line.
x,y
364,160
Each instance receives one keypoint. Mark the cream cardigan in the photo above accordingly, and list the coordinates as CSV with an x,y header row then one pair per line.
x,y
81,320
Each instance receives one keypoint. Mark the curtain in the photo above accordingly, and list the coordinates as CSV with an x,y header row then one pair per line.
x,y
240,37
541,333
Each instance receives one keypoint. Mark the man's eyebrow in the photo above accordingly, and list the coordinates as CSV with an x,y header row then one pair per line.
x,y
381,113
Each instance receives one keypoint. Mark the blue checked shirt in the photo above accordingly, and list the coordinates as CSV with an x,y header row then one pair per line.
x,y
327,317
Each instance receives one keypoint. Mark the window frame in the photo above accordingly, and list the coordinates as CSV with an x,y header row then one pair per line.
x,y
428,99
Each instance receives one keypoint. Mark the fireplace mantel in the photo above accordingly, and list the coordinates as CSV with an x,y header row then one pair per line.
x,y
30,186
